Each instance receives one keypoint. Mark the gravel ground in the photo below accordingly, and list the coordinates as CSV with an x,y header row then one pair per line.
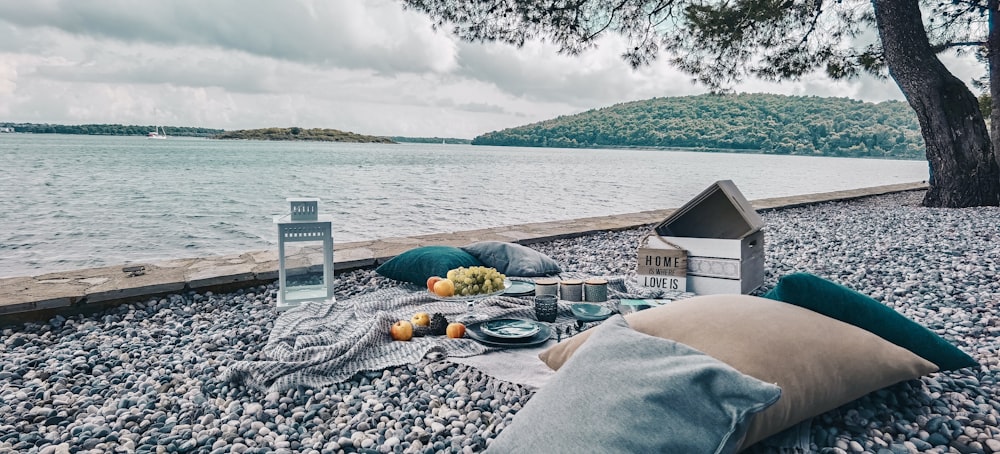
x,y
143,377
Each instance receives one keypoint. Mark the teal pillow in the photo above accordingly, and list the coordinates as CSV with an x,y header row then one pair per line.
x,y
513,259
841,303
624,391
416,265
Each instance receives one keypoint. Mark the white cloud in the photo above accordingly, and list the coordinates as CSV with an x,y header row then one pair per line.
x,y
342,33
369,67
8,76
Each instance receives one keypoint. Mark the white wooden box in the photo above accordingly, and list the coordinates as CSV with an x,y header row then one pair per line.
x,y
724,239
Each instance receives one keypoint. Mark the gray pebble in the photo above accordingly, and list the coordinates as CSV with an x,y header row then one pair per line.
x,y
146,373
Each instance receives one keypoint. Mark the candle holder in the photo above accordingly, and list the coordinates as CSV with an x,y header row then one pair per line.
x,y
303,223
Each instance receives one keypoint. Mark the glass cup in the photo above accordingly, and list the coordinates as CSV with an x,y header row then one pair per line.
x,y
546,308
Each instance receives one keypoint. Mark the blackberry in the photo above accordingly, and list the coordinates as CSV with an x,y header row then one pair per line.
x,y
439,324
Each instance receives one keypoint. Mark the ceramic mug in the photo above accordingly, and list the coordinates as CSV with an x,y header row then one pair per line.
x,y
595,290
571,290
546,287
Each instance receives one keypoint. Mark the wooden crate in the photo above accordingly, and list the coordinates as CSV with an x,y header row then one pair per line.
x,y
724,239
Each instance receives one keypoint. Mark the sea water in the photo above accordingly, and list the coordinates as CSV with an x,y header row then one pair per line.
x,y
69,201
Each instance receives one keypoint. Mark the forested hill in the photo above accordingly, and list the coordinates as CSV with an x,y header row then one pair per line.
x,y
107,129
295,133
759,123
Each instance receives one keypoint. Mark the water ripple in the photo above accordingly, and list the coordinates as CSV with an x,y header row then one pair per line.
x,y
81,201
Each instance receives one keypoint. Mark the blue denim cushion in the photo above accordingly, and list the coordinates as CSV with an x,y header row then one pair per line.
x,y
513,259
626,392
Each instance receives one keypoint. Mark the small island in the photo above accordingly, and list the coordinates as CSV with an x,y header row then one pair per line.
x,y
295,133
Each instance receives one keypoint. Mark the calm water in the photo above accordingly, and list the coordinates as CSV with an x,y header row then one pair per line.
x,y
81,201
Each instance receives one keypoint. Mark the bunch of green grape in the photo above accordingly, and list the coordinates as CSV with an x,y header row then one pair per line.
x,y
476,280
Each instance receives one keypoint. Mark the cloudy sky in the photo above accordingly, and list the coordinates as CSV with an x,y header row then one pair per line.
x,y
363,66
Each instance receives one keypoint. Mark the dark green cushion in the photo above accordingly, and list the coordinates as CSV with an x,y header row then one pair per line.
x,y
416,265
849,306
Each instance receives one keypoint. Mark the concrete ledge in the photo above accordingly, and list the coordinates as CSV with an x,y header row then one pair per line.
x,y
23,298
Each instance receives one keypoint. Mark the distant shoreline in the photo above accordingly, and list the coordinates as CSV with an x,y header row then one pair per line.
x,y
295,134
283,134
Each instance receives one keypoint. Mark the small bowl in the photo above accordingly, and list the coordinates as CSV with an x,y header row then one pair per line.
x,y
588,312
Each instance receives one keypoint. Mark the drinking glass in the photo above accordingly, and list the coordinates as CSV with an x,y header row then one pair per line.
x,y
546,308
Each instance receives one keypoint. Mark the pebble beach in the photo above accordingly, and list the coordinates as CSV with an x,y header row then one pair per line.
x,y
145,377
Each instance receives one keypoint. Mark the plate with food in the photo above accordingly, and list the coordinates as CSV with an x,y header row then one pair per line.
x,y
466,283
454,296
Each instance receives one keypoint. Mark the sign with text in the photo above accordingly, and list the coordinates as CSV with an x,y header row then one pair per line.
x,y
662,268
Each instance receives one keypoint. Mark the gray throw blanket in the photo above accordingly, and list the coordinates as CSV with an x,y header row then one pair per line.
x,y
321,343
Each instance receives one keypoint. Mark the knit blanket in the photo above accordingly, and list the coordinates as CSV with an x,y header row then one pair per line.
x,y
321,343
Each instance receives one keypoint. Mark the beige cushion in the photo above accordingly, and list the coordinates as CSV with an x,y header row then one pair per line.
x,y
819,363
627,392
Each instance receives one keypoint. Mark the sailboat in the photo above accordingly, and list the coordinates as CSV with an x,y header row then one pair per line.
x,y
158,133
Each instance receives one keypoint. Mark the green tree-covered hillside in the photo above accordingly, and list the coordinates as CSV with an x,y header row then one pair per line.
x,y
760,123
108,129
294,133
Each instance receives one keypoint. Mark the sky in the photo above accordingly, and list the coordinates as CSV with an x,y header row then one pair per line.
x,y
369,67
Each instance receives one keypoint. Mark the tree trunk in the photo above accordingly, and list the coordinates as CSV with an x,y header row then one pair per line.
x,y
993,65
965,171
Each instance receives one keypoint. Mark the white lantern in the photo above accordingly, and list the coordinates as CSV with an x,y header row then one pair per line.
x,y
303,223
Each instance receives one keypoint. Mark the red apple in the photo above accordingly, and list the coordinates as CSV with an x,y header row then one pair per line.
x,y
421,319
431,281
401,330
455,330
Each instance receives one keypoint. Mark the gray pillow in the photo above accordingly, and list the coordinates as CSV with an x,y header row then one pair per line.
x,y
513,259
625,391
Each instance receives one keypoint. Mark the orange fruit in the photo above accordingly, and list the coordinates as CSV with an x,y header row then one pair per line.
x,y
444,287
